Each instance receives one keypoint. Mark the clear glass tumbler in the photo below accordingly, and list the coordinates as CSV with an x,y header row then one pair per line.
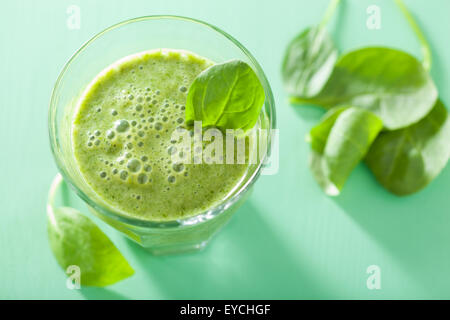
x,y
118,41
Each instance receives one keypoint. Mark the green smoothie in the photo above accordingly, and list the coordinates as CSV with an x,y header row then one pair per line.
x,y
122,142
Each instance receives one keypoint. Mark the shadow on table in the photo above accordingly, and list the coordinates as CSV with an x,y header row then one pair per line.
x,y
308,112
414,229
247,260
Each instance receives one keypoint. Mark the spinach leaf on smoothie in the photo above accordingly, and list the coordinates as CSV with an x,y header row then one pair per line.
x,y
227,95
76,240
339,142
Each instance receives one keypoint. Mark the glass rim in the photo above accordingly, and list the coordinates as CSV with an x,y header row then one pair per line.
x,y
203,216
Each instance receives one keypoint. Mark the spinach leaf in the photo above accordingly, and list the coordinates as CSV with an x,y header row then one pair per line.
x,y
406,160
308,62
339,142
319,134
76,240
310,58
227,95
382,80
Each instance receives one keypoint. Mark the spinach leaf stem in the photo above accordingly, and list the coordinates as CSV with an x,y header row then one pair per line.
x,y
329,12
425,47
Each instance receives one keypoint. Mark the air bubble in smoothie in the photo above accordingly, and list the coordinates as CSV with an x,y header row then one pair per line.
x,y
134,165
142,178
121,125
123,174
110,134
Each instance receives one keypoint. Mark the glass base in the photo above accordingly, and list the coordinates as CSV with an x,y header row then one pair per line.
x,y
177,249
175,240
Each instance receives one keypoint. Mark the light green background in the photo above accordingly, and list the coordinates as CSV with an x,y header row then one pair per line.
x,y
289,240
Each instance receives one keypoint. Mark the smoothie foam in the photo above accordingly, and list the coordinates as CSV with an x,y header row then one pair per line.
x,y
121,137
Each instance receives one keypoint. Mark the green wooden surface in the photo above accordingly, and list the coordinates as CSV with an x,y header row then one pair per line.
x,y
289,240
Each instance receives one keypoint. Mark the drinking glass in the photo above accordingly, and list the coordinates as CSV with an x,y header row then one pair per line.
x,y
123,39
